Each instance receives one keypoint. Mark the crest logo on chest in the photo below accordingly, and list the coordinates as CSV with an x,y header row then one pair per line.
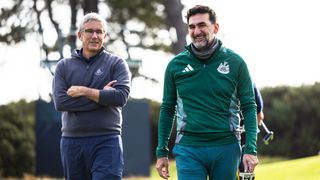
x,y
223,68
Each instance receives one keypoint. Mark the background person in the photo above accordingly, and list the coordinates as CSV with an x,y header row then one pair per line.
x,y
259,102
90,88
204,86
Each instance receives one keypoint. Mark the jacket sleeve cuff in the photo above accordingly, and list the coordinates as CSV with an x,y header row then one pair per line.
x,y
162,152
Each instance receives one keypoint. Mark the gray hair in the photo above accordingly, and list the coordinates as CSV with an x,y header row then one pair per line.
x,y
93,17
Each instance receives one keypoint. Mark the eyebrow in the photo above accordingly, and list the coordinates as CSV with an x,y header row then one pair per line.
x,y
197,24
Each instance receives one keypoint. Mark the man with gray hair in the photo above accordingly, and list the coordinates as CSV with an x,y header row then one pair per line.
x,y
90,88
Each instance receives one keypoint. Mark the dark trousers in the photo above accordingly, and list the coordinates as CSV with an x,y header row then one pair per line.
x,y
92,158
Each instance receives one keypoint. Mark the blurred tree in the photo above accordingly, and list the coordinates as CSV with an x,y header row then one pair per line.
x,y
17,139
153,24
174,21
293,114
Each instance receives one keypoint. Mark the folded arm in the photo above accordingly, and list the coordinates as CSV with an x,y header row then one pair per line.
x,y
107,96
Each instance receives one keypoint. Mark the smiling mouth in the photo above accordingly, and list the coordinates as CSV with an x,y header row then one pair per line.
x,y
199,37
94,43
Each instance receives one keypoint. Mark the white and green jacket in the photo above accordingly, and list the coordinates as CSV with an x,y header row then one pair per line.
x,y
205,97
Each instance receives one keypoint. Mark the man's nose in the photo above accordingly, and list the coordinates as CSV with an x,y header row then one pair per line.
x,y
197,30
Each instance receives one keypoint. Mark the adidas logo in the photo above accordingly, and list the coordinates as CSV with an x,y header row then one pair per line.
x,y
98,72
188,68
223,68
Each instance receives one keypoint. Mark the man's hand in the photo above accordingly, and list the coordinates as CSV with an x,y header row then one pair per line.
x,y
76,91
260,117
162,167
250,162
109,86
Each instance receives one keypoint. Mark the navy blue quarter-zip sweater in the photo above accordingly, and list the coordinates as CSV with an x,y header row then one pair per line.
x,y
82,117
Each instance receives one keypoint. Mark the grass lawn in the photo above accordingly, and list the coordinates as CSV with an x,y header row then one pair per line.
x,y
270,168
297,169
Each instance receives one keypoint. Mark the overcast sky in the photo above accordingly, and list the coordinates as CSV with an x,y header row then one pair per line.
x,y
279,40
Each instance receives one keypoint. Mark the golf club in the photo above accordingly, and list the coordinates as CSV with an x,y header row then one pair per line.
x,y
268,136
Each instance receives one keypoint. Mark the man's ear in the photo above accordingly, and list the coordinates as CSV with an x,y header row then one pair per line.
x,y
79,35
216,28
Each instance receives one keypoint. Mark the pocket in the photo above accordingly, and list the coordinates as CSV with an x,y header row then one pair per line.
x,y
239,149
175,150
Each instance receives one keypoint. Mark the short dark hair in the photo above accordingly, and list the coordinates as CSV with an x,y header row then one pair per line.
x,y
200,9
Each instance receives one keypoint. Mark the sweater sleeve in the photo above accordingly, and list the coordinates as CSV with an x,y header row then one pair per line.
x,y
119,95
248,108
61,100
167,112
258,98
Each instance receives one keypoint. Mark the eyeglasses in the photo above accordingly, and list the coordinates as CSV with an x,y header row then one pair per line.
x,y
90,32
